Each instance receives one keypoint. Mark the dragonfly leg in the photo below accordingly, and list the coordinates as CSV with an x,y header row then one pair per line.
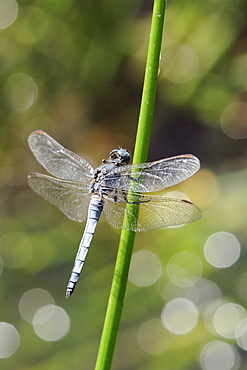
x,y
125,196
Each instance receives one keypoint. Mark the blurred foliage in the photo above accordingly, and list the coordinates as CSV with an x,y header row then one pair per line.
x,y
75,70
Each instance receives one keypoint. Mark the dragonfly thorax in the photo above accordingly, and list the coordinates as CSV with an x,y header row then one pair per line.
x,y
99,181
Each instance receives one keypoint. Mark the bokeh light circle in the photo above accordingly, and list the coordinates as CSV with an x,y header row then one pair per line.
x,y
51,323
180,64
184,269
6,55
241,286
241,334
145,268
167,289
31,301
227,319
218,355
203,292
9,340
153,338
209,312
222,249
234,120
180,316
20,92
8,12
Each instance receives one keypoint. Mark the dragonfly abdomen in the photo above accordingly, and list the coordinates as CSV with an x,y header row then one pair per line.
x,y
94,211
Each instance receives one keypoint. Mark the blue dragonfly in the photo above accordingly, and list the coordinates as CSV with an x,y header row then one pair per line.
x,y
82,192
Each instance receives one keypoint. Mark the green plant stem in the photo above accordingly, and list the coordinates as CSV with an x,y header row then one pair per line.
x,y
118,288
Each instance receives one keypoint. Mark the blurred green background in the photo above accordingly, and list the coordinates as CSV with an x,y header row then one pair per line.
x,y
75,70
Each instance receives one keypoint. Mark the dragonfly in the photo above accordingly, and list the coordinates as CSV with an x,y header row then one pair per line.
x,y
82,192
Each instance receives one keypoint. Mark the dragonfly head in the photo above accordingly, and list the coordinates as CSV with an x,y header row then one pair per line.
x,y
121,156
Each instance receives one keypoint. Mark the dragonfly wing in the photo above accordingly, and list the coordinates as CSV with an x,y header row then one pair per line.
x,y
153,176
57,160
154,213
71,198
114,213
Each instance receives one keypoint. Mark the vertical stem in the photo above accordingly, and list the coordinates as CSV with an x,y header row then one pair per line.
x,y
150,83
118,288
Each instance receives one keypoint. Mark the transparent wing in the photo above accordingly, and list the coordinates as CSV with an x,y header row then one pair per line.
x,y
153,176
71,198
57,160
154,212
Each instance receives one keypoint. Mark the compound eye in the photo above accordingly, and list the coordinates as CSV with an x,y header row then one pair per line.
x,y
125,155
127,159
113,154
